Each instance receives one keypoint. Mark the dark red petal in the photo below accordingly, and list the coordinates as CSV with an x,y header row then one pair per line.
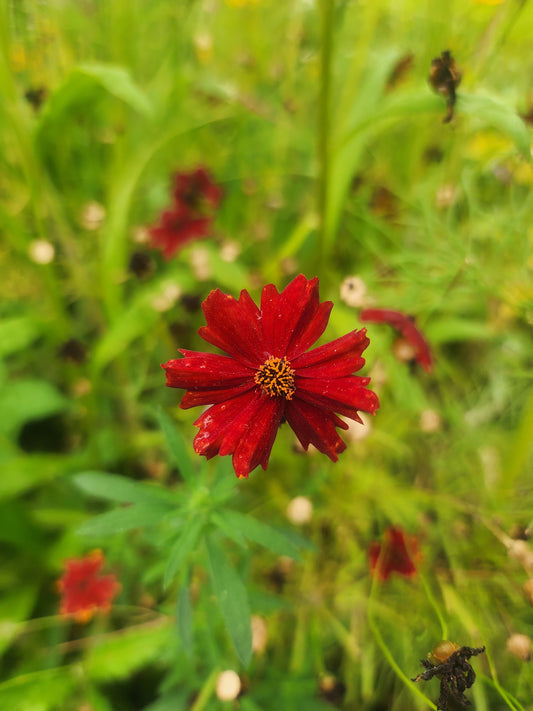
x,y
245,427
255,445
343,395
405,325
205,371
316,426
294,319
389,316
333,360
201,398
309,330
397,554
217,421
77,569
234,327
282,313
171,237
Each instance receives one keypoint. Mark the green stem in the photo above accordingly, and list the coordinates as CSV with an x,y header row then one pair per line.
x,y
434,605
326,9
511,702
390,659
206,691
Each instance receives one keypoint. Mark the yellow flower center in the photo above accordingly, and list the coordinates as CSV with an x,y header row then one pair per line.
x,y
276,378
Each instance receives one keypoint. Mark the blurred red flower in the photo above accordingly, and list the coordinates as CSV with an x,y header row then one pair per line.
x,y
196,189
397,554
189,217
267,377
83,590
405,325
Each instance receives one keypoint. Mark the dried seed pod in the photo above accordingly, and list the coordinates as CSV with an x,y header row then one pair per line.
x,y
444,78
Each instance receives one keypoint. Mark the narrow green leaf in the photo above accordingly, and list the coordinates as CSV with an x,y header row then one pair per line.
x,y
117,655
451,329
182,547
118,82
225,482
38,691
261,533
15,606
134,322
118,488
136,516
233,601
184,621
396,107
227,528
177,447
493,113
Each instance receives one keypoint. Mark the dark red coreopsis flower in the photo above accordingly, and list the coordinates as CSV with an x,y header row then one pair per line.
x,y
177,227
83,590
397,554
189,217
406,326
196,189
268,375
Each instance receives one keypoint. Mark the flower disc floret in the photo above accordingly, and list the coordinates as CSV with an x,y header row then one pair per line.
x,y
276,378
268,376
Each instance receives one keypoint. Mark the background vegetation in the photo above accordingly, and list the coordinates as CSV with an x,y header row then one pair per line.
x,y
317,120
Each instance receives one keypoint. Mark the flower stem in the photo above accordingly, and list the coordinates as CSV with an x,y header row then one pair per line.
x,y
326,9
434,605
206,691
386,651
390,659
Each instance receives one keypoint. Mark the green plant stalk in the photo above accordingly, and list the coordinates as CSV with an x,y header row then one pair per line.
x,y
513,703
299,646
390,659
206,691
326,9
434,605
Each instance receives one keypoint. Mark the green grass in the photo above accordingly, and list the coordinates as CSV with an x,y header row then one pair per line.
x,y
329,168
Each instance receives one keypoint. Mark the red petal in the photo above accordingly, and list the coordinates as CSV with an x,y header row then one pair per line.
x,y
205,371
309,330
255,445
405,325
339,358
170,237
343,395
294,319
397,554
282,313
245,426
314,425
211,397
234,326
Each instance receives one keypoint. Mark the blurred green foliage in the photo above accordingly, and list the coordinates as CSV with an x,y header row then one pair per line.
x,y
317,120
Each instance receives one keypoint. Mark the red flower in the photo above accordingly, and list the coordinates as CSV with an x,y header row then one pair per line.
x,y
405,325
397,554
196,189
83,591
195,197
177,227
267,377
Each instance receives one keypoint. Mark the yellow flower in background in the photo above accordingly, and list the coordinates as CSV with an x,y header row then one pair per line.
x,y
488,2
17,58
